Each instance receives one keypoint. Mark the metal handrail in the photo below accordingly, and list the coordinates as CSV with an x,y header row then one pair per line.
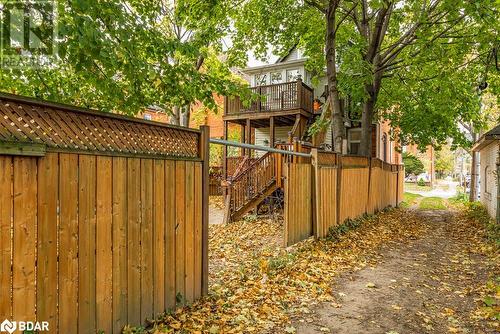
x,y
258,148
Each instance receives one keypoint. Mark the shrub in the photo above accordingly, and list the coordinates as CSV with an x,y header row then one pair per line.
x,y
413,165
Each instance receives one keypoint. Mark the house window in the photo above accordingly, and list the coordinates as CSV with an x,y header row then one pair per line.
x,y
276,77
261,79
354,140
292,75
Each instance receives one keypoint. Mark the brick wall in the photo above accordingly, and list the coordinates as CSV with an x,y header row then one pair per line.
x,y
488,156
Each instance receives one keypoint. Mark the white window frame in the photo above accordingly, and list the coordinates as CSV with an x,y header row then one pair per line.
x,y
299,73
271,77
257,82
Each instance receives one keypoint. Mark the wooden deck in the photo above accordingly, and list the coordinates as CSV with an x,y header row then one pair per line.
x,y
282,101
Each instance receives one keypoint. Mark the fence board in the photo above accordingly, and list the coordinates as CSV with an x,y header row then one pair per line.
x,y
6,211
146,239
25,212
189,232
198,198
180,230
48,194
170,232
68,243
120,237
86,247
134,240
159,237
104,244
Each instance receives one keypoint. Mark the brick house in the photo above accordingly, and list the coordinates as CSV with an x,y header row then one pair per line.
x,y
489,162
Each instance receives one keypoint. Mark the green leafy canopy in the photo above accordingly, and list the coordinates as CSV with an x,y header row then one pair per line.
x,y
128,55
424,73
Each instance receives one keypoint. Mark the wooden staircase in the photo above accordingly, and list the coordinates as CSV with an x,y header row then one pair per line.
x,y
250,186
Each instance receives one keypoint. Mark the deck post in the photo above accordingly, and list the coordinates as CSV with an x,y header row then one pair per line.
x,y
271,131
248,136
224,153
259,100
205,156
299,93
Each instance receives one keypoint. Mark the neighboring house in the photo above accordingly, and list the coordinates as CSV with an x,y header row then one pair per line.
x,y
290,104
152,114
489,157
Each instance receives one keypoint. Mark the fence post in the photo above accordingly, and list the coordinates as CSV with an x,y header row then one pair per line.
x,y
369,184
339,188
316,195
205,156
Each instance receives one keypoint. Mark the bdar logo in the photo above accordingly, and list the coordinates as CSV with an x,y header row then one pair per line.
x,y
8,326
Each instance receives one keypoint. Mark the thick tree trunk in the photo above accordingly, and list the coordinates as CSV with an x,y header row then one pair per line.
x,y
338,127
366,128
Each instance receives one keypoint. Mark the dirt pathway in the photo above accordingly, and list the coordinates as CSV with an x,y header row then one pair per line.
x,y
424,286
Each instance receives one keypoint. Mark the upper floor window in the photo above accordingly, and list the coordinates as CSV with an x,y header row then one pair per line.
x,y
384,147
276,77
261,79
292,75
354,140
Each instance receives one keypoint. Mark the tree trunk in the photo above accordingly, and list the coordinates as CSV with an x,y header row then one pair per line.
x,y
185,115
338,127
176,116
474,173
366,128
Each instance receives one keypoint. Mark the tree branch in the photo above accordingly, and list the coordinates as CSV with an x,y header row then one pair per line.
x,y
316,5
342,19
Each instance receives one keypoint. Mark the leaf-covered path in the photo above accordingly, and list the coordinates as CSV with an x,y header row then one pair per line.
x,y
428,285
400,271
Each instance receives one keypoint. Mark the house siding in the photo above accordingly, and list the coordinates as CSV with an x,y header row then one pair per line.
x,y
263,134
488,156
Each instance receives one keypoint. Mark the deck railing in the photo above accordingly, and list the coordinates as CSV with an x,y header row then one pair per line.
x,y
278,97
252,181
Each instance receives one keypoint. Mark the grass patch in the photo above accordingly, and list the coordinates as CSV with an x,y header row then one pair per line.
x,y
410,199
415,186
432,203
460,199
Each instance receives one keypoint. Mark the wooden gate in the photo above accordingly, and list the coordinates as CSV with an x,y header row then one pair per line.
x,y
103,218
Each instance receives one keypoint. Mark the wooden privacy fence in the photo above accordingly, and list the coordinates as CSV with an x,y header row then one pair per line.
x,y
334,188
103,218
